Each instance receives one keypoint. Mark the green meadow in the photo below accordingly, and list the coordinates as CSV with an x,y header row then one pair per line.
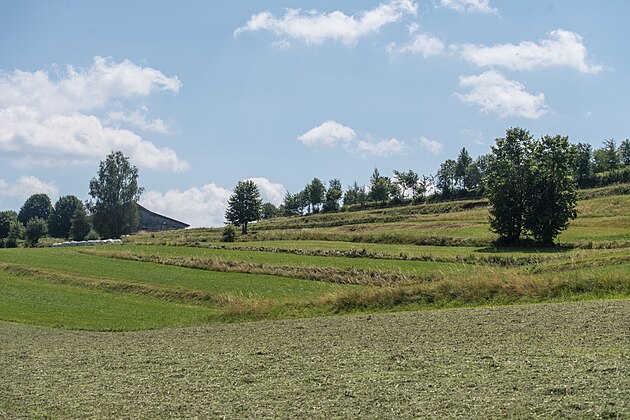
x,y
312,315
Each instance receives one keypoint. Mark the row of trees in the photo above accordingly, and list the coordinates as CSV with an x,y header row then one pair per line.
x,y
38,217
531,185
591,166
456,178
111,212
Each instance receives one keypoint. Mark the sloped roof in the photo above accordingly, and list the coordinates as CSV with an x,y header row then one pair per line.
x,y
161,215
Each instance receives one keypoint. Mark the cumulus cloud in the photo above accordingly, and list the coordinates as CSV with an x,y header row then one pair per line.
x,y
470,6
432,146
56,119
26,186
140,119
420,44
328,133
272,192
332,133
384,148
492,92
198,206
314,27
560,49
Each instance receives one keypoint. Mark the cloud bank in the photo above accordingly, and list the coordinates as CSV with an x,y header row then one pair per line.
x,y
56,119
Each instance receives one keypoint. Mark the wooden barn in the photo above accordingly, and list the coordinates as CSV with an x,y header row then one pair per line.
x,y
153,222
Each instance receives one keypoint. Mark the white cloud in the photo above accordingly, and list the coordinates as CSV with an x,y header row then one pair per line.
x,y
470,6
272,192
77,139
26,186
315,27
205,206
432,146
199,207
382,148
281,44
494,93
42,119
331,133
328,133
561,49
139,119
82,90
475,136
420,43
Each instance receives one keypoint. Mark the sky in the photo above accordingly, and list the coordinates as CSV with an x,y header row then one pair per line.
x,y
202,94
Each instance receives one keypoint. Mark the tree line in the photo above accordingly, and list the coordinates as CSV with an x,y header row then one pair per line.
x,y
110,213
530,185
463,177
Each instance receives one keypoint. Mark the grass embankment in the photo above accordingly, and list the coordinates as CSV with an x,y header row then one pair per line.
x,y
568,361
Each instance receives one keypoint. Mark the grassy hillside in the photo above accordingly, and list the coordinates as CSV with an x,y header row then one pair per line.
x,y
300,278
362,261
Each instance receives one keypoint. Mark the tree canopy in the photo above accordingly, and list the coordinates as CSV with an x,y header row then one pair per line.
x,y
60,219
530,186
114,195
244,205
37,205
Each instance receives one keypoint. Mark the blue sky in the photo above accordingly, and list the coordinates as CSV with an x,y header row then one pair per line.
x,y
203,94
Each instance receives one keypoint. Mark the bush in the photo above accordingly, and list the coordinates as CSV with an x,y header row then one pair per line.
x,y
92,236
228,234
15,233
35,229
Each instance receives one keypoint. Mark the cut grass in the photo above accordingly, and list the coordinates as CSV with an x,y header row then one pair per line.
x,y
535,361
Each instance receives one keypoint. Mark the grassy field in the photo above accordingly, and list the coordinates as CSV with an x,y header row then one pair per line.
x,y
568,360
159,326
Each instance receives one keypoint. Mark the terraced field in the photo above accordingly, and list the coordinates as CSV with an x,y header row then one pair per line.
x,y
319,287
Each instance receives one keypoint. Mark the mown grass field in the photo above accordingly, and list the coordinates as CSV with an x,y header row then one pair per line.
x,y
165,319
569,360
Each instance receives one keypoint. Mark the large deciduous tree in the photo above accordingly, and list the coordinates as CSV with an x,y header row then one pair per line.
x,y
551,197
506,183
531,186
60,219
244,205
114,195
37,205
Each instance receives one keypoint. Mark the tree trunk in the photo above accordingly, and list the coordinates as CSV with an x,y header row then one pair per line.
x,y
244,228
